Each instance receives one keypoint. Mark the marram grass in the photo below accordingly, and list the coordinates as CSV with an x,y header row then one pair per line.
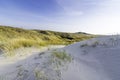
x,y
14,38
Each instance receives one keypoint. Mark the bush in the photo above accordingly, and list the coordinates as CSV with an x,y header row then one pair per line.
x,y
62,55
95,44
84,45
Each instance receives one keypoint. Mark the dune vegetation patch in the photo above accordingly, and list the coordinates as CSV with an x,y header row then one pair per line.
x,y
93,44
43,66
14,38
62,55
21,42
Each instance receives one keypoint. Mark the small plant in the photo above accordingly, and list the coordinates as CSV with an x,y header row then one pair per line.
x,y
95,44
84,45
22,73
39,55
62,55
39,75
84,52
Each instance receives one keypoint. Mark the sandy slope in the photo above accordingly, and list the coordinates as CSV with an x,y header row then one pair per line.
x,y
94,59
100,62
22,66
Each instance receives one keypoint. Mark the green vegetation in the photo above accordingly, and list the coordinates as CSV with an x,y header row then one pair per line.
x,y
62,55
13,38
94,44
84,45
40,75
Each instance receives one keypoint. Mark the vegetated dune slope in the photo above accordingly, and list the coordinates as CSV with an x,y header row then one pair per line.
x,y
30,64
12,38
95,59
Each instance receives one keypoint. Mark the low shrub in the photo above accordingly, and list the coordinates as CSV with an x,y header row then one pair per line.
x,y
84,45
62,55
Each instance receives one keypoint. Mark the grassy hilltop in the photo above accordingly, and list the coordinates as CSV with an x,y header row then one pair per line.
x,y
13,38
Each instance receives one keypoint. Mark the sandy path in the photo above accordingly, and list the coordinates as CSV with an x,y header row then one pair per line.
x,y
8,64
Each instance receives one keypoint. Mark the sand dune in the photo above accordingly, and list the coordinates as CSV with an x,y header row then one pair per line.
x,y
94,59
98,59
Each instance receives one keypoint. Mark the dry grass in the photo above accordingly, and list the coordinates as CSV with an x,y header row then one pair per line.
x,y
13,38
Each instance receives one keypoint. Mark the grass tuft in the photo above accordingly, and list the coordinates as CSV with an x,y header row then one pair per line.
x,y
62,55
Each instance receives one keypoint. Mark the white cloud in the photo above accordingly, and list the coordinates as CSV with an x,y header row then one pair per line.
x,y
74,13
106,19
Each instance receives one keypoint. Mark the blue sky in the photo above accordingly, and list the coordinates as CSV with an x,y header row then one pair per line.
x,y
92,16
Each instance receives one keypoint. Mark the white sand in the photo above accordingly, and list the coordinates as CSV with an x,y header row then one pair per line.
x,y
98,60
95,63
25,58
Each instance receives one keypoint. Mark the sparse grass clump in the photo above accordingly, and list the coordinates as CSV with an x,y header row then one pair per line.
x,y
84,45
62,55
40,75
94,44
